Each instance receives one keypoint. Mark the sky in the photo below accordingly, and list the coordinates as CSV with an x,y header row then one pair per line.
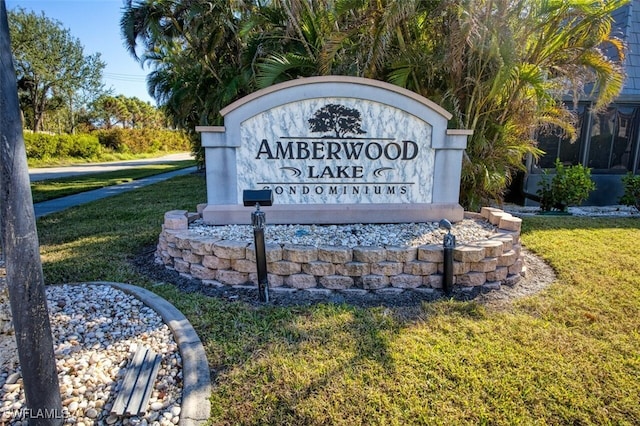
x,y
96,23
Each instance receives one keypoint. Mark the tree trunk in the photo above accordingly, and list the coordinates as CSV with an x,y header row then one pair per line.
x,y
38,114
34,109
21,250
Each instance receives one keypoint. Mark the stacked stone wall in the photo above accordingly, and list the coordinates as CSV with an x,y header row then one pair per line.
x,y
488,263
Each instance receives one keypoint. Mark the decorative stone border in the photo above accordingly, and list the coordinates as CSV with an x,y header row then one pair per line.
x,y
196,386
487,263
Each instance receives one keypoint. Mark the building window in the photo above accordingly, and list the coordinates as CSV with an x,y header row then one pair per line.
x,y
613,137
608,141
556,144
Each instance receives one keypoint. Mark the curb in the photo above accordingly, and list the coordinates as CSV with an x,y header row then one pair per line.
x,y
196,388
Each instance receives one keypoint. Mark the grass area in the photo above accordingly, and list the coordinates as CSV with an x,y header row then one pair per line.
x,y
104,157
55,188
569,355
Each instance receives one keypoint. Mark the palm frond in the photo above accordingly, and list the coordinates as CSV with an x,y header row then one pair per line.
x,y
276,68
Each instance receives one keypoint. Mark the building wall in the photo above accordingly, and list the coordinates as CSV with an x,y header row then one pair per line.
x,y
608,142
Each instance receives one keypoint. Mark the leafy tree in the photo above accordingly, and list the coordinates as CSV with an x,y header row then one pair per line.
x,y
111,111
51,68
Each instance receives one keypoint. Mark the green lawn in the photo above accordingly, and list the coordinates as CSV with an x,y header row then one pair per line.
x,y
568,355
102,158
54,188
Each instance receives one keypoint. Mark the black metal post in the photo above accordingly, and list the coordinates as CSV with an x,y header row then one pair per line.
x,y
258,219
449,243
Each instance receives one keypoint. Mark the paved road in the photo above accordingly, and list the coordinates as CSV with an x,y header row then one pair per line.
x,y
59,204
36,174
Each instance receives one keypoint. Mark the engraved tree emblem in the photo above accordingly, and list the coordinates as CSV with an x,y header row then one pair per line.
x,y
337,119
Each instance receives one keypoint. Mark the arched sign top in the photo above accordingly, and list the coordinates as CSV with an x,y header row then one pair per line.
x,y
303,88
335,149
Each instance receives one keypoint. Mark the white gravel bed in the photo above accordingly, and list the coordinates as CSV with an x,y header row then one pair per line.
x,y
96,329
397,234
590,211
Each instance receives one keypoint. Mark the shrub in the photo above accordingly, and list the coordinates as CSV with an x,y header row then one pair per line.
x,y
631,185
85,146
138,141
65,146
44,145
78,146
41,145
569,186
112,140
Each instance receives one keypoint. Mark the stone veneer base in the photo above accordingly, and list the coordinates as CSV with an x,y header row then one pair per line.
x,y
485,263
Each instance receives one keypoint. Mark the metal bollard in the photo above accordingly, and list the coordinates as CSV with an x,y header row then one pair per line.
x,y
258,219
449,244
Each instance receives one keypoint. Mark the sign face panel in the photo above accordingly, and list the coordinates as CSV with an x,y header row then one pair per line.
x,y
335,150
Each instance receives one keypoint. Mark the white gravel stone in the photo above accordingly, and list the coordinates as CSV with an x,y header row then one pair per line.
x,y
157,406
590,211
96,329
396,234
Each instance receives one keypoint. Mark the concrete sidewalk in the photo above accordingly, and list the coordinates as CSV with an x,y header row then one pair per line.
x,y
63,203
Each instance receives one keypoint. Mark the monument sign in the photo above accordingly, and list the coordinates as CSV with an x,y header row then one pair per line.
x,y
335,150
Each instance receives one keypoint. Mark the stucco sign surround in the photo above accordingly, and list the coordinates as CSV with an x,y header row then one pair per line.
x,y
327,145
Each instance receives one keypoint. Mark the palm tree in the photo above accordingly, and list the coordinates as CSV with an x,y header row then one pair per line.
x,y
195,52
325,37
502,67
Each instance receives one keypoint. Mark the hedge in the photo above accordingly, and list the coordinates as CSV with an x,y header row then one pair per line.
x,y
138,141
92,145
44,146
